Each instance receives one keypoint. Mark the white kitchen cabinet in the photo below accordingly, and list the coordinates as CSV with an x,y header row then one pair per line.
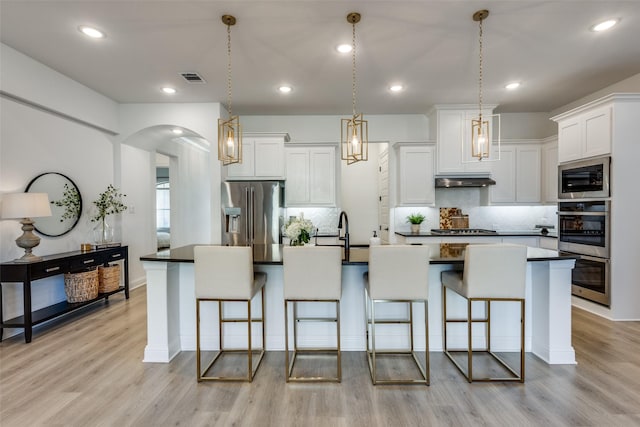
x,y
310,176
528,168
584,135
504,174
517,174
416,179
452,127
550,172
262,158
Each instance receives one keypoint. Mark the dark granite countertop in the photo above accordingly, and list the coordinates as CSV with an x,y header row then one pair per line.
x,y
505,233
441,253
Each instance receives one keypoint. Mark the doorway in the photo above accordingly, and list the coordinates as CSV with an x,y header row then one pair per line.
x,y
163,202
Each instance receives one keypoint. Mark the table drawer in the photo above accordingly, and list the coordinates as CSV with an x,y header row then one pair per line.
x,y
86,262
115,255
49,268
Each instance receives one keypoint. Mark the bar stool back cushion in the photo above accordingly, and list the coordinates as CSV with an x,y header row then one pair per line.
x,y
312,272
225,272
494,271
398,272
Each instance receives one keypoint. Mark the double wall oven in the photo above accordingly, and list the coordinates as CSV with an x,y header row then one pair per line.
x,y
584,225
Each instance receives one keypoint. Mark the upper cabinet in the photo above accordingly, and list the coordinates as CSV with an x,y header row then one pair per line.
x,y
550,171
262,158
584,134
451,128
311,175
416,184
517,174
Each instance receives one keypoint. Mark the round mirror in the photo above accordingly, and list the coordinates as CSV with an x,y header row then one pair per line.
x,y
66,203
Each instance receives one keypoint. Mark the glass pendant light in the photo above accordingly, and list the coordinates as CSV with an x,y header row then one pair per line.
x,y
229,131
481,125
354,131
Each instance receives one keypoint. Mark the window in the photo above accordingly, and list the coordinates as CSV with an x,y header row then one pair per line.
x,y
163,205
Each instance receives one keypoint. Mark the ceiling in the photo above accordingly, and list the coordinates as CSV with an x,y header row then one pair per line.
x,y
430,47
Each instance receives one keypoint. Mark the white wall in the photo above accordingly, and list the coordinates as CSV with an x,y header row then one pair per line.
x,y
40,85
408,127
526,126
138,221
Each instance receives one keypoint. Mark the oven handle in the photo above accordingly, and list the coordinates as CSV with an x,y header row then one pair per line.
x,y
583,213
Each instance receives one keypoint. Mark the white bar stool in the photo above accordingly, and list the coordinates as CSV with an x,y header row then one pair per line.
x,y
397,274
492,272
312,274
225,274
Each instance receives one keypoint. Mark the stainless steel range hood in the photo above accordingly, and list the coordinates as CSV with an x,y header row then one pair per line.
x,y
463,181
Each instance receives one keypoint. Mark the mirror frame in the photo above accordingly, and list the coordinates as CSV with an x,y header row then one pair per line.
x,y
72,225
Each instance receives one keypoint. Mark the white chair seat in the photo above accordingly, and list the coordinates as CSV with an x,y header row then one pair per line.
x,y
397,274
312,274
492,272
225,274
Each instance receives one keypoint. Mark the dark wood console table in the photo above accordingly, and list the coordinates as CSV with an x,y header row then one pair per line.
x,y
53,265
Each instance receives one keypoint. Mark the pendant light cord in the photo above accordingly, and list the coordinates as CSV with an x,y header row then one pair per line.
x,y
229,70
353,68
480,72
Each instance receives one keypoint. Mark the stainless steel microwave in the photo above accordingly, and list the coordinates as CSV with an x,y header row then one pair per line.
x,y
585,179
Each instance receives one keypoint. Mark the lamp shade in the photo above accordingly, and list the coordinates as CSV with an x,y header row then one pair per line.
x,y
25,205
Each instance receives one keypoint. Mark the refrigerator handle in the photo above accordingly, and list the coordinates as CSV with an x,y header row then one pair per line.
x,y
253,214
248,214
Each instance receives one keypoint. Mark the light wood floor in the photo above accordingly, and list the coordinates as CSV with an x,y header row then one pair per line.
x,y
86,370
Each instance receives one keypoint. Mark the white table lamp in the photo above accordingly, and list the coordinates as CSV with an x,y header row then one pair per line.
x,y
24,206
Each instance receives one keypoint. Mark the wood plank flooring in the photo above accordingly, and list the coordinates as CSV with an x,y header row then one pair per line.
x,y
86,370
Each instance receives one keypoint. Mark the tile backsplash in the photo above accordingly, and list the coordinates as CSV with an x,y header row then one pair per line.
x,y
509,218
325,219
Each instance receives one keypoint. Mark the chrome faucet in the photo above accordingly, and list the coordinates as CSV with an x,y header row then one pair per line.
x,y
343,214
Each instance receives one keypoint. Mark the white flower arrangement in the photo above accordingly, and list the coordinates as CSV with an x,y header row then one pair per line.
x,y
298,230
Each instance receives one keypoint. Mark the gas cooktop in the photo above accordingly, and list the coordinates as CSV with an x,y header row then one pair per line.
x,y
461,231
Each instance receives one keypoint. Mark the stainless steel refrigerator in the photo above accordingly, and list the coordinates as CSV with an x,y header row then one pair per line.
x,y
252,214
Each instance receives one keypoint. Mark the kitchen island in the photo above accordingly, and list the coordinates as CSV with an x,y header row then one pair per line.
x,y
171,307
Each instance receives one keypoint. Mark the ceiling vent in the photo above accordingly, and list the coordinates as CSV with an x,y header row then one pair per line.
x,y
192,77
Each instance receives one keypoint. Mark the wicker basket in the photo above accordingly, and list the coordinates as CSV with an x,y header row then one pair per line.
x,y
81,287
109,278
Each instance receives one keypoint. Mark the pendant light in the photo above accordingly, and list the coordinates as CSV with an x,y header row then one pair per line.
x,y
354,131
229,131
481,125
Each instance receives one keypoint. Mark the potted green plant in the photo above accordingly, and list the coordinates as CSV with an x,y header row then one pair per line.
x,y
109,202
415,219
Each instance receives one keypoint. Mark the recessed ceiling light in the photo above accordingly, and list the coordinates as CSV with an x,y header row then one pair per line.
x,y
604,25
285,89
177,131
91,32
396,88
169,90
344,48
513,85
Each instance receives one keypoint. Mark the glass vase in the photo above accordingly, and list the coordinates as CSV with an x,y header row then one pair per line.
x,y
103,232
